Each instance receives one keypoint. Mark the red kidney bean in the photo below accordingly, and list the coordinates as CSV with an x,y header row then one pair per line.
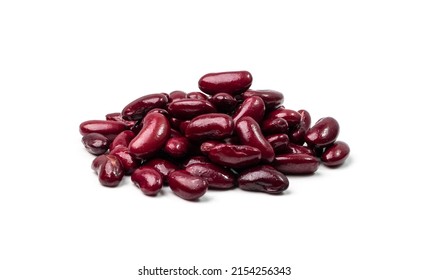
x,y
323,133
209,126
122,139
187,186
208,145
183,126
263,178
107,128
292,117
274,125
252,107
249,133
297,135
271,98
128,161
118,117
110,172
163,166
305,121
97,162
235,156
234,82
224,102
216,176
335,154
148,180
296,163
95,143
298,149
195,159
152,137
160,111
177,94
187,109
279,142
318,151
175,123
177,147
137,109
197,95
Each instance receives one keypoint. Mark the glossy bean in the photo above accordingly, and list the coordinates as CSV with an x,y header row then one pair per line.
x,y
263,178
298,149
95,143
152,137
296,163
97,162
292,117
163,166
274,125
323,133
177,147
195,159
186,185
208,145
177,94
148,179
233,82
271,98
336,154
110,172
279,142
118,117
122,139
107,128
252,107
216,176
137,109
249,133
297,135
129,161
197,95
186,109
224,102
235,156
209,126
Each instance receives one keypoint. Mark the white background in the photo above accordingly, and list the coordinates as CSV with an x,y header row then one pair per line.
x,y
363,62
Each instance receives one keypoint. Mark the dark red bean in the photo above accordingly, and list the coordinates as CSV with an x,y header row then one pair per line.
x,y
160,111
298,149
216,176
152,137
107,128
210,126
183,126
249,133
137,109
235,156
274,125
323,133
296,163
263,178
271,98
224,102
95,143
129,161
234,82
297,135
252,107
187,109
177,94
292,117
305,121
177,147
197,95
175,123
163,166
187,186
97,162
148,180
118,117
208,145
279,142
122,139
335,154
110,172
195,159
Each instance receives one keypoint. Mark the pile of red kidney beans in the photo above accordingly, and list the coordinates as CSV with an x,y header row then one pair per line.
x,y
224,137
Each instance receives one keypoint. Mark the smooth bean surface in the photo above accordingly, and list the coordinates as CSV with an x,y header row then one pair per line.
x,y
148,180
163,166
129,161
110,172
296,163
235,156
95,143
186,109
323,133
137,109
209,126
252,107
336,154
263,178
224,102
271,98
216,176
186,185
107,128
232,82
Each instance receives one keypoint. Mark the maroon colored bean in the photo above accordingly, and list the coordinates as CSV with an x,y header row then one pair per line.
x,y
263,178
297,135
97,162
271,98
187,109
148,180
234,82
197,95
95,143
335,154
208,145
210,126
274,125
122,139
249,133
163,166
175,123
183,126
128,160
118,117
279,142
305,121
216,176
195,159
152,137
298,149
137,109
110,172
252,107
323,133
107,128
292,117
224,102
235,156
296,163
177,147
177,94
187,186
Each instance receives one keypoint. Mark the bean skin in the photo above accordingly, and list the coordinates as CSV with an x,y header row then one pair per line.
x,y
187,186
107,128
137,109
224,102
323,133
177,94
279,142
271,98
186,109
249,133
209,126
233,82
128,160
216,176
263,178
297,135
163,166
110,172
208,145
235,156
253,107
298,149
274,125
195,159
118,117
148,180
97,162
152,137
335,154
296,163
95,143
197,95
122,139
292,117
177,147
